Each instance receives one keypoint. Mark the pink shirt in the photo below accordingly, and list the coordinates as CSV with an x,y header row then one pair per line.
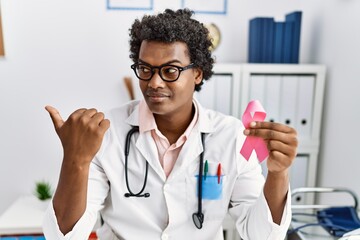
x,y
167,153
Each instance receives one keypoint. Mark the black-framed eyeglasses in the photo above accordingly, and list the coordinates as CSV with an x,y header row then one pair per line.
x,y
167,72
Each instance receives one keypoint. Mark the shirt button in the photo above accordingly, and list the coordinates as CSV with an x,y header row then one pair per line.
x,y
165,236
166,187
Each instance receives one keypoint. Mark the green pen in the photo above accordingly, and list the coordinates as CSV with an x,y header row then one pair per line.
x,y
206,169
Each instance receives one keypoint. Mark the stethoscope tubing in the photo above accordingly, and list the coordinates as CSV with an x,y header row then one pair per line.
x,y
198,217
127,150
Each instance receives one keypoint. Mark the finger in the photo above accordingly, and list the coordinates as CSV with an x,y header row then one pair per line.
x,y
278,161
90,112
78,113
55,117
266,134
286,149
96,119
86,115
104,125
273,126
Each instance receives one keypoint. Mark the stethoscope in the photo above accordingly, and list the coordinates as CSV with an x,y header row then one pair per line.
x,y
198,217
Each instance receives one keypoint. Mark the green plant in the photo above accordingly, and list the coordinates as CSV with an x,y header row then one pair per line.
x,y
43,190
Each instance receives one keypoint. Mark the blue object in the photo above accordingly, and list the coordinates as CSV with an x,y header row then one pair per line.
x,y
211,189
295,18
339,220
287,44
278,42
275,42
335,220
255,39
267,40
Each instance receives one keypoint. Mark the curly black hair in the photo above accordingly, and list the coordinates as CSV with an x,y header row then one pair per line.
x,y
171,26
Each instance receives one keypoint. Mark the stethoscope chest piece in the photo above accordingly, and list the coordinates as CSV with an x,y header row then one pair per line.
x,y
198,219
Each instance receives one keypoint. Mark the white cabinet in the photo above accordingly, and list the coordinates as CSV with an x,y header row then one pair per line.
x,y
290,93
221,92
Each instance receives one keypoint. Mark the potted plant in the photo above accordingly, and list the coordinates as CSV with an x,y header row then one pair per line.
x,y
43,190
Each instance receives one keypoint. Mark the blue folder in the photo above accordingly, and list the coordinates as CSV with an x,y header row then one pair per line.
x,y
278,42
295,18
255,36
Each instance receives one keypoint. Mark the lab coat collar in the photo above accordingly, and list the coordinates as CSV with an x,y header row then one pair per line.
x,y
133,119
204,123
191,150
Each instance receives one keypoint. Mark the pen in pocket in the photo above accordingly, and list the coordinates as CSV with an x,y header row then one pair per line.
x,y
206,169
219,172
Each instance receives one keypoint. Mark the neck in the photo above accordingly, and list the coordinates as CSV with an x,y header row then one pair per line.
x,y
173,126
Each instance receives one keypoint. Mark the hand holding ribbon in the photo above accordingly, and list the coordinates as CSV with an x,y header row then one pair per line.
x,y
254,112
276,141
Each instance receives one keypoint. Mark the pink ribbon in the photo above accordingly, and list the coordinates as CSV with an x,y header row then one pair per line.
x,y
254,112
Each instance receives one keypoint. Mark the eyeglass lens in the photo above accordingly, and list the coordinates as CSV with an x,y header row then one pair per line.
x,y
167,72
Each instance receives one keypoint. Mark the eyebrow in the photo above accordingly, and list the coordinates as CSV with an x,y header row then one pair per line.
x,y
168,62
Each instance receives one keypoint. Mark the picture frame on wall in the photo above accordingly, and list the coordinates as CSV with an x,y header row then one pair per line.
x,y
130,5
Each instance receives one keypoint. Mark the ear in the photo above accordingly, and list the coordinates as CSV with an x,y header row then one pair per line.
x,y
198,75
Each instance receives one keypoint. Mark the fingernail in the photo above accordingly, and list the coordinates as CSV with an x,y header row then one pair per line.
x,y
246,132
252,124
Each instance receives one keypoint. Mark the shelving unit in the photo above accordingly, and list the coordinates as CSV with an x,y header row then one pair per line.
x,y
290,93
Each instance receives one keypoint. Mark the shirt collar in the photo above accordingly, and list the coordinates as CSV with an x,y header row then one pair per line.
x,y
204,122
147,120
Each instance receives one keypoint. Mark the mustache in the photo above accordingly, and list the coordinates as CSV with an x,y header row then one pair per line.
x,y
156,93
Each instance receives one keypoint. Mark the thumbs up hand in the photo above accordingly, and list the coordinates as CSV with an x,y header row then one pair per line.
x,y
81,134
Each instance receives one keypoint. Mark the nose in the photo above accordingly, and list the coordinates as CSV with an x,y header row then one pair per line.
x,y
156,81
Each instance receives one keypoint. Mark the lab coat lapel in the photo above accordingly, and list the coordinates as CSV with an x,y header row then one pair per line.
x,y
189,153
145,144
193,147
147,147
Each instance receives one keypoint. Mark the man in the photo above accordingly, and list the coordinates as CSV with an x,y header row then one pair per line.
x,y
154,192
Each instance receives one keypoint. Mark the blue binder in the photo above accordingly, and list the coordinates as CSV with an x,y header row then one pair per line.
x,y
267,40
287,45
278,42
295,18
255,36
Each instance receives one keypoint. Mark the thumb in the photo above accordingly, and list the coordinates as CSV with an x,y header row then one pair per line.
x,y
55,117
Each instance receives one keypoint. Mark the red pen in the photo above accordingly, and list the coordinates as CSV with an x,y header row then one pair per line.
x,y
219,172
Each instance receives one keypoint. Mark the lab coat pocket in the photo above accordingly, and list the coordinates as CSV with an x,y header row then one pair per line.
x,y
214,206
211,187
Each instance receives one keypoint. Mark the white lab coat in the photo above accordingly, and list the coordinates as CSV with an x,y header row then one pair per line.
x,y
167,213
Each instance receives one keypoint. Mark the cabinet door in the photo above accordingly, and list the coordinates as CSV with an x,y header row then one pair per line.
x,y
305,103
287,99
216,93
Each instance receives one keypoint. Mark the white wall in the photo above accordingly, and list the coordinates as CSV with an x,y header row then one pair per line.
x,y
74,54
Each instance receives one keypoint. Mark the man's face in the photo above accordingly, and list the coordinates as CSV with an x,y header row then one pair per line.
x,y
168,98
